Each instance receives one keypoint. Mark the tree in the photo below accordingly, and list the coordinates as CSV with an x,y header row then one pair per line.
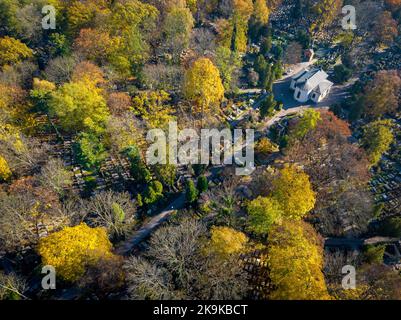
x,y
385,29
12,286
73,249
393,5
90,151
259,18
54,175
177,27
325,13
13,51
377,139
293,191
119,103
341,73
154,108
138,168
307,122
88,72
5,171
111,210
381,95
79,106
265,147
202,184
94,45
339,172
191,193
153,193
181,268
225,241
295,261
165,173
268,106
203,85
263,212
228,63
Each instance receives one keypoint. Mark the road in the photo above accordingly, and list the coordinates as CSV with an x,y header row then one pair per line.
x,y
354,243
146,230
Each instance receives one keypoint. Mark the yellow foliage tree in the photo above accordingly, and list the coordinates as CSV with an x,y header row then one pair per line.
x,y
261,12
263,213
13,51
72,250
225,241
5,171
203,85
295,261
293,190
79,106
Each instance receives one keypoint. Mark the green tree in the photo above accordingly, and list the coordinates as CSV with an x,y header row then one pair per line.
x,y
138,168
307,122
90,150
268,106
341,74
202,184
227,62
376,139
263,212
191,193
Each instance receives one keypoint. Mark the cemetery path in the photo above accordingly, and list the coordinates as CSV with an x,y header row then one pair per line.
x,y
146,230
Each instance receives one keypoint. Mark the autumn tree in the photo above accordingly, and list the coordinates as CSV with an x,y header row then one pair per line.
x,y
381,95
79,106
89,72
203,86
177,28
119,103
74,249
94,45
393,5
13,51
338,170
293,191
324,13
263,212
385,29
259,18
225,241
153,106
308,121
183,269
5,171
295,261
228,63
377,139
